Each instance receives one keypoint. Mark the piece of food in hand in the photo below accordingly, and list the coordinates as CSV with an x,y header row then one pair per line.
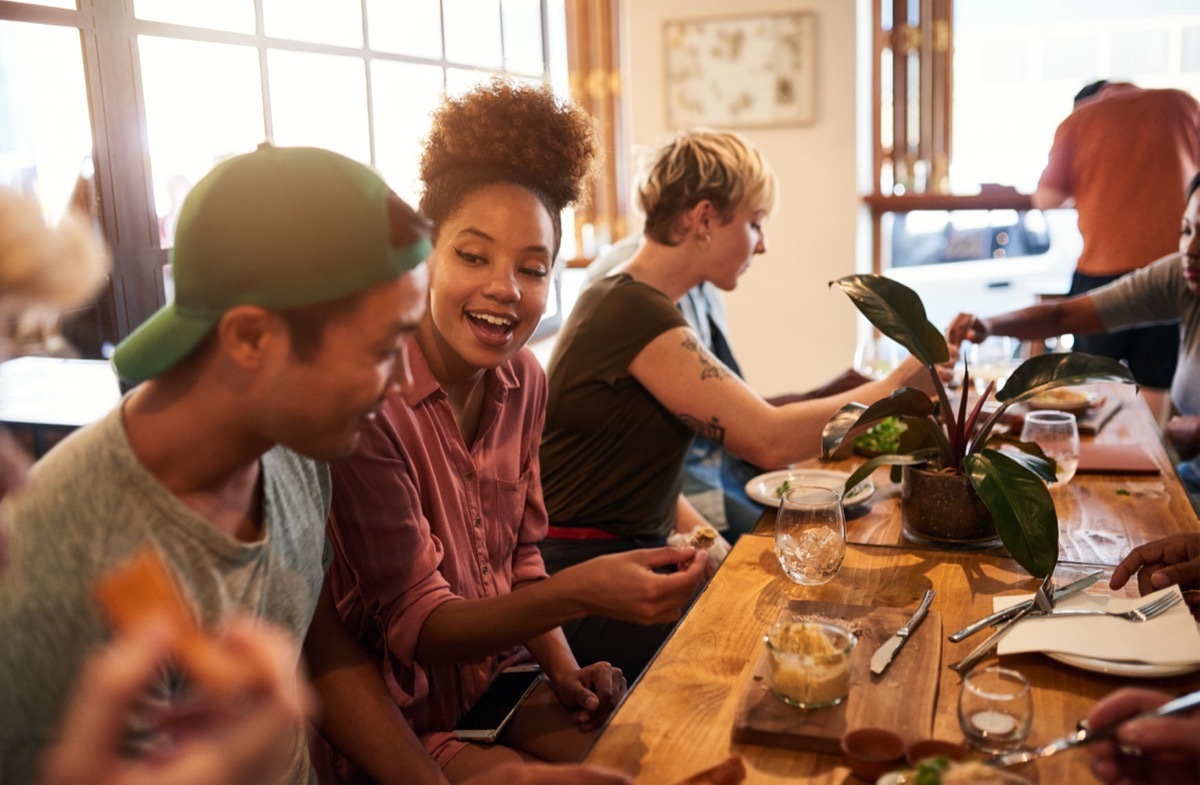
x,y
142,591
730,771
703,536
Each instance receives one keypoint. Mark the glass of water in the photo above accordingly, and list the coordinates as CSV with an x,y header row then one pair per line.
x,y
1057,433
995,709
810,534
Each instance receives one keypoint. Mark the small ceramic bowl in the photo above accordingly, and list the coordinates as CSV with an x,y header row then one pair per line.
x,y
934,748
872,752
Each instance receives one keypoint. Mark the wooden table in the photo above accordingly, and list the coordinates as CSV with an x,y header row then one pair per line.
x,y
678,718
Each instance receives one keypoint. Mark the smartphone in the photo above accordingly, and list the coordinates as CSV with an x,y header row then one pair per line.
x,y
493,710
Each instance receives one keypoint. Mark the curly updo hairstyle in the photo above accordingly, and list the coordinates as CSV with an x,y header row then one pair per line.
x,y
507,133
700,164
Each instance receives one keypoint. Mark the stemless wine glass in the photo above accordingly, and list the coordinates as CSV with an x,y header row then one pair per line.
x,y
995,709
810,534
1057,433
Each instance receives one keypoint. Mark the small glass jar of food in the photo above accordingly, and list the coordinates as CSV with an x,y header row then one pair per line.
x,y
810,663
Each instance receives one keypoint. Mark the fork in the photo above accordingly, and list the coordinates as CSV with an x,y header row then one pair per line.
x,y
1143,613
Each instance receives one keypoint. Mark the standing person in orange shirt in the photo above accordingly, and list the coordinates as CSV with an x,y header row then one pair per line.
x,y
1124,156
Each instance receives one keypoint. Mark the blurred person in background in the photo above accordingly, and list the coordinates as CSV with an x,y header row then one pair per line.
x,y
1122,159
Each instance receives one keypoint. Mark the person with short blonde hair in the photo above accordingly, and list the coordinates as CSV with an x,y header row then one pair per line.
x,y
631,382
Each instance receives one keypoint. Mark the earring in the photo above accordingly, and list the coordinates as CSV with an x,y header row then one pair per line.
x,y
704,240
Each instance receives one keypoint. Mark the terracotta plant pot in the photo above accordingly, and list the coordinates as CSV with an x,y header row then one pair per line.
x,y
941,509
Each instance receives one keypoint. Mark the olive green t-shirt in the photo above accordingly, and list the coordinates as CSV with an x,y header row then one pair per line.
x,y
612,456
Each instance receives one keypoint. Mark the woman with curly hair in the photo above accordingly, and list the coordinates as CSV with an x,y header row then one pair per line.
x,y
436,519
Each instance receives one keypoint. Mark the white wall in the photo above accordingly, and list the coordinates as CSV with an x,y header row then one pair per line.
x,y
790,331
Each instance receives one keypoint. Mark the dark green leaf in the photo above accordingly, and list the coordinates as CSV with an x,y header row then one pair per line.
x,y
898,313
1047,371
1021,508
1041,464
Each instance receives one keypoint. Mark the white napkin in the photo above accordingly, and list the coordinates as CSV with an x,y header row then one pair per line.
x,y
1171,638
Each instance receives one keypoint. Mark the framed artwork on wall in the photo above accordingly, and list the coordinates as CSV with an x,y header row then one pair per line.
x,y
740,72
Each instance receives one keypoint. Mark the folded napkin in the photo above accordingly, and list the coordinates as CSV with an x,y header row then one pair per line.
x,y
1115,459
1172,638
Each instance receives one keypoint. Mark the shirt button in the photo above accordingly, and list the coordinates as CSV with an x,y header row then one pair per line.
x,y
485,569
470,475
477,521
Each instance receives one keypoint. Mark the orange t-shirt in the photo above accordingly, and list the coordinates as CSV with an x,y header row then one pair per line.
x,y
1127,155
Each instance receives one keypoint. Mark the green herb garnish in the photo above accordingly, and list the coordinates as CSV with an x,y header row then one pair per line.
x,y
883,438
930,772
783,489
1122,492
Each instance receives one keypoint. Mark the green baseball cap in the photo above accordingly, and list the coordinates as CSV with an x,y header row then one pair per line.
x,y
283,228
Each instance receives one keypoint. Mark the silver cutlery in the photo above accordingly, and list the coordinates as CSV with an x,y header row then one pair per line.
x,y
1144,613
1041,599
887,650
1069,590
1085,736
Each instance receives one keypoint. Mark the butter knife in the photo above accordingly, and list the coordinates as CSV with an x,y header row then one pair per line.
x,y
1069,590
882,657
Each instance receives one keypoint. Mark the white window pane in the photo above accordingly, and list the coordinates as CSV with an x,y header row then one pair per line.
x,y
473,32
203,105
462,80
52,3
404,95
412,27
319,101
523,36
45,130
236,16
337,22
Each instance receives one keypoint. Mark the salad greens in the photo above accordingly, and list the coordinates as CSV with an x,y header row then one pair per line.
x,y
883,437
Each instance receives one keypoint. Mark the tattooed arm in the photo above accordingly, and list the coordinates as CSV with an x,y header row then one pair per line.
x,y
685,377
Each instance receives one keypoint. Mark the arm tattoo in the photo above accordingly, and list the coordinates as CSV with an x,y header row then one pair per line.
x,y
711,367
711,430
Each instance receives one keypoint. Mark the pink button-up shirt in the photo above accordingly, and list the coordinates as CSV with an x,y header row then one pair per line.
x,y
420,518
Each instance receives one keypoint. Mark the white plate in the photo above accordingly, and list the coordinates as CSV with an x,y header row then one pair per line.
x,y
1137,670
762,488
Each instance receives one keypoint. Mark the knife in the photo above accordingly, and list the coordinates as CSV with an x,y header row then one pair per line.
x,y
884,654
1069,590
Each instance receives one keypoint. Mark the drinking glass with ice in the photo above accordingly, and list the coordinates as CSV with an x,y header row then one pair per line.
x,y
810,534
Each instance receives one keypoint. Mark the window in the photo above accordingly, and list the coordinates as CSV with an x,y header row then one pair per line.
x,y
208,80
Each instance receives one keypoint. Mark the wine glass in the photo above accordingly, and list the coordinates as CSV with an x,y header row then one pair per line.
x,y
875,358
810,534
1057,433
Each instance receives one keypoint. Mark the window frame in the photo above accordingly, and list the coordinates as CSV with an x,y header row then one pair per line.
x,y
128,218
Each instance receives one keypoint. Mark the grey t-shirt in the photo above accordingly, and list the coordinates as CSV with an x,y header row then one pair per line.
x,y
90,504
1157,294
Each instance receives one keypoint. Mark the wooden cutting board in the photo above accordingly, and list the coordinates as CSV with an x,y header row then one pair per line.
x,y
902,699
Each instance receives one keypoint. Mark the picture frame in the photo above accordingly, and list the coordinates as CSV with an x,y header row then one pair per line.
x,y
741,72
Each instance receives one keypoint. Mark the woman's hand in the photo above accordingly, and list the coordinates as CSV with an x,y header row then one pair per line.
x,y
1184,433
596,690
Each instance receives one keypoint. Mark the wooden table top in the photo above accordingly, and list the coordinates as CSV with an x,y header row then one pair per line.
x,y
1101,516
678,718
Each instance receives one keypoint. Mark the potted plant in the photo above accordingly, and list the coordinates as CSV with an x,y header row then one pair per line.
x,y
945,445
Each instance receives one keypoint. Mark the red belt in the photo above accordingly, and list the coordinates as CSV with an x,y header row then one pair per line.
x,y
579,533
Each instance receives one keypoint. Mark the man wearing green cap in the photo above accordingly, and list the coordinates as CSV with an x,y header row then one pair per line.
x,y
298,278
